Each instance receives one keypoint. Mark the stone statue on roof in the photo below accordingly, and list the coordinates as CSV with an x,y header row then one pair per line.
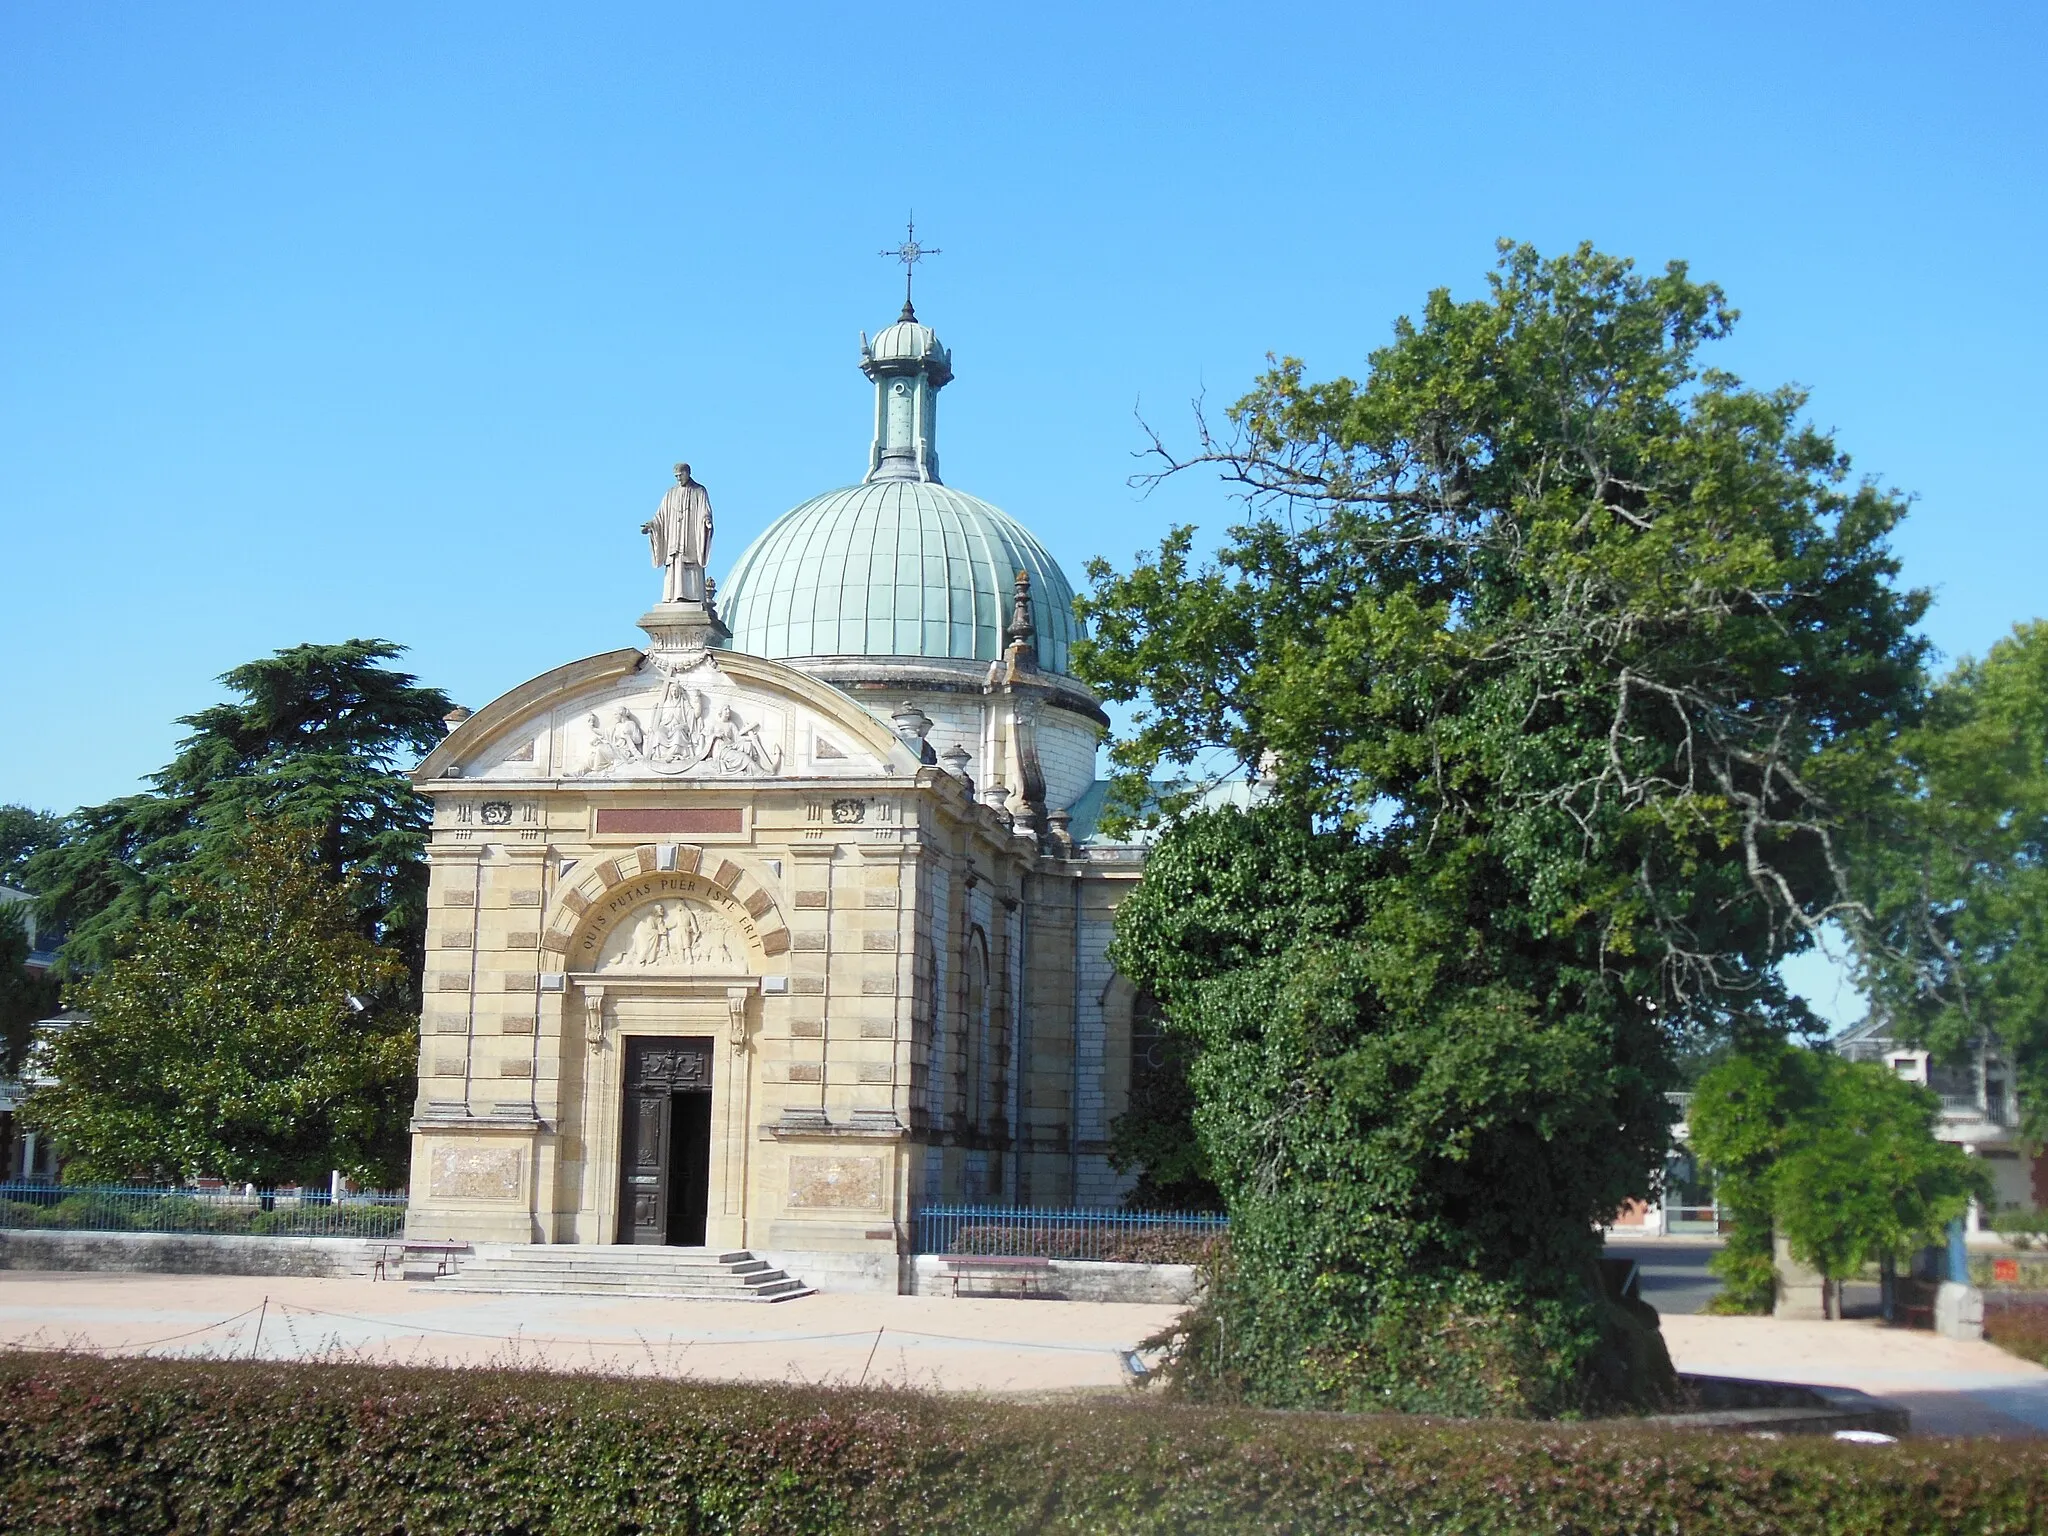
x,y
679,535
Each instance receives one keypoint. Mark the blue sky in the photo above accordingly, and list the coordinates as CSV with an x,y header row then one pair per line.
x,y
319,321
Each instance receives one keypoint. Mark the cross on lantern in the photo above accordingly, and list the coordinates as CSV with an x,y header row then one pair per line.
x,y
910,253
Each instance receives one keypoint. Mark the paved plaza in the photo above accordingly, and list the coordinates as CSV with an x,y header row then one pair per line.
x,y
1952,1386
927,1342
935,1343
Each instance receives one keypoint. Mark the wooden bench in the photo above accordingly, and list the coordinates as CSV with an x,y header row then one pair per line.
x,y
1005,1275
441,1253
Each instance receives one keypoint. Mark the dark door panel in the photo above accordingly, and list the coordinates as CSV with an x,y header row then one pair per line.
x,y
645,1206
665,1140
689,1179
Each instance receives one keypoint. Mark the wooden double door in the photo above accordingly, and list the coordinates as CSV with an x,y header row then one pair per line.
x,y
665,1141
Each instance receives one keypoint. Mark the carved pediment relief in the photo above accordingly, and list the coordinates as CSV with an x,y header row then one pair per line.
x,y
695,724
677,718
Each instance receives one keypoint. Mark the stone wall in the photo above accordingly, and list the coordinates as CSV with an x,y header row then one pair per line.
x,y
1071,1280
870,1273
165,1253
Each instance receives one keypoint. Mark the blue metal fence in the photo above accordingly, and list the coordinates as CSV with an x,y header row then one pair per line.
x,y
1115,1237
241,1213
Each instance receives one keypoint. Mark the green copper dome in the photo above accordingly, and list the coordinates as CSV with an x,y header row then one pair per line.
x,y
899,565
893,568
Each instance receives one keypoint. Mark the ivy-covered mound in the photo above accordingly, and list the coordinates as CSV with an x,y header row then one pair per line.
x,y
1567,666
145,1446
1414,1152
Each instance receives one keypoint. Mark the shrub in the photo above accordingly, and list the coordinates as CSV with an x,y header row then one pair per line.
x,y
374,1220
183,1213
1133,1245
1745,1266
91,1213
135,1445
23,1214
2018,1324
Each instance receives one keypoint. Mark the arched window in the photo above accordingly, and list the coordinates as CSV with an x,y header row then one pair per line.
x,y
974,1028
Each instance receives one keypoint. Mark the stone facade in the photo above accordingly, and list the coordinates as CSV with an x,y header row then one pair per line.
x,y
762,937
905,997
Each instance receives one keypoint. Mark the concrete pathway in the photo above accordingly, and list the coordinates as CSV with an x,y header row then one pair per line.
x,y
929,1342
1952,1387
935,1343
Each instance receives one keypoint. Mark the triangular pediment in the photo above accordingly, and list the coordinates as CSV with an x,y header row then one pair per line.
x,y
635,717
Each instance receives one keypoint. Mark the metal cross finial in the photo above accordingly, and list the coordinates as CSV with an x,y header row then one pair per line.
x,y
910,253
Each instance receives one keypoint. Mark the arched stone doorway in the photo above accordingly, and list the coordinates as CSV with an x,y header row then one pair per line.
x,y
663,969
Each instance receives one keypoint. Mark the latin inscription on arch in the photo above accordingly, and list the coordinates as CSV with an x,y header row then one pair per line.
x,y
606,913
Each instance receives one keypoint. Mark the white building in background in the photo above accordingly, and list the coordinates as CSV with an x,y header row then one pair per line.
x,y
1979,1111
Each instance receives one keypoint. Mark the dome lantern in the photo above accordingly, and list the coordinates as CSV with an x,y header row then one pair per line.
x,y
902,565
909,367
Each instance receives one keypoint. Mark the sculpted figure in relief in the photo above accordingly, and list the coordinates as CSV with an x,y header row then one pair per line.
x,y
628,736
601,759
679,537
686,937
686,735
678,726
654,943
739,749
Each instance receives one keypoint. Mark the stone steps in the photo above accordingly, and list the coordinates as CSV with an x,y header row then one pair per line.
x,y
695,1275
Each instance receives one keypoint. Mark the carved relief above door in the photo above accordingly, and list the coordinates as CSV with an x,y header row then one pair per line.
x,y
676,937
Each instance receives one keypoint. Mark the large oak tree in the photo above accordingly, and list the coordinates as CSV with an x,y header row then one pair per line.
x,y
1568,665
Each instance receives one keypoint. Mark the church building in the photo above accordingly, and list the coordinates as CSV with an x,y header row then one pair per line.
x,y
794,919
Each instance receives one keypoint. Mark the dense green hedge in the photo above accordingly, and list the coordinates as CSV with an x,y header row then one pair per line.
x,y
146,1211
143,1446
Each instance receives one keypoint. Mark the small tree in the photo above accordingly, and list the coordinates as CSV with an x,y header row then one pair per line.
x,y
1745,1112
1958,877
1867,1180
260,1038
1839,1158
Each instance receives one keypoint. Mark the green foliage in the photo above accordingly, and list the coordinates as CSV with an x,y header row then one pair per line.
x,y
1569,665
1867,1179
1414,1161
143,1446
1154,1138
1840,1157
1745,1111
1745,1264
2022,1227
150,1211
224,1043
1958,879
23,834
24,998
320,737
1129,1245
